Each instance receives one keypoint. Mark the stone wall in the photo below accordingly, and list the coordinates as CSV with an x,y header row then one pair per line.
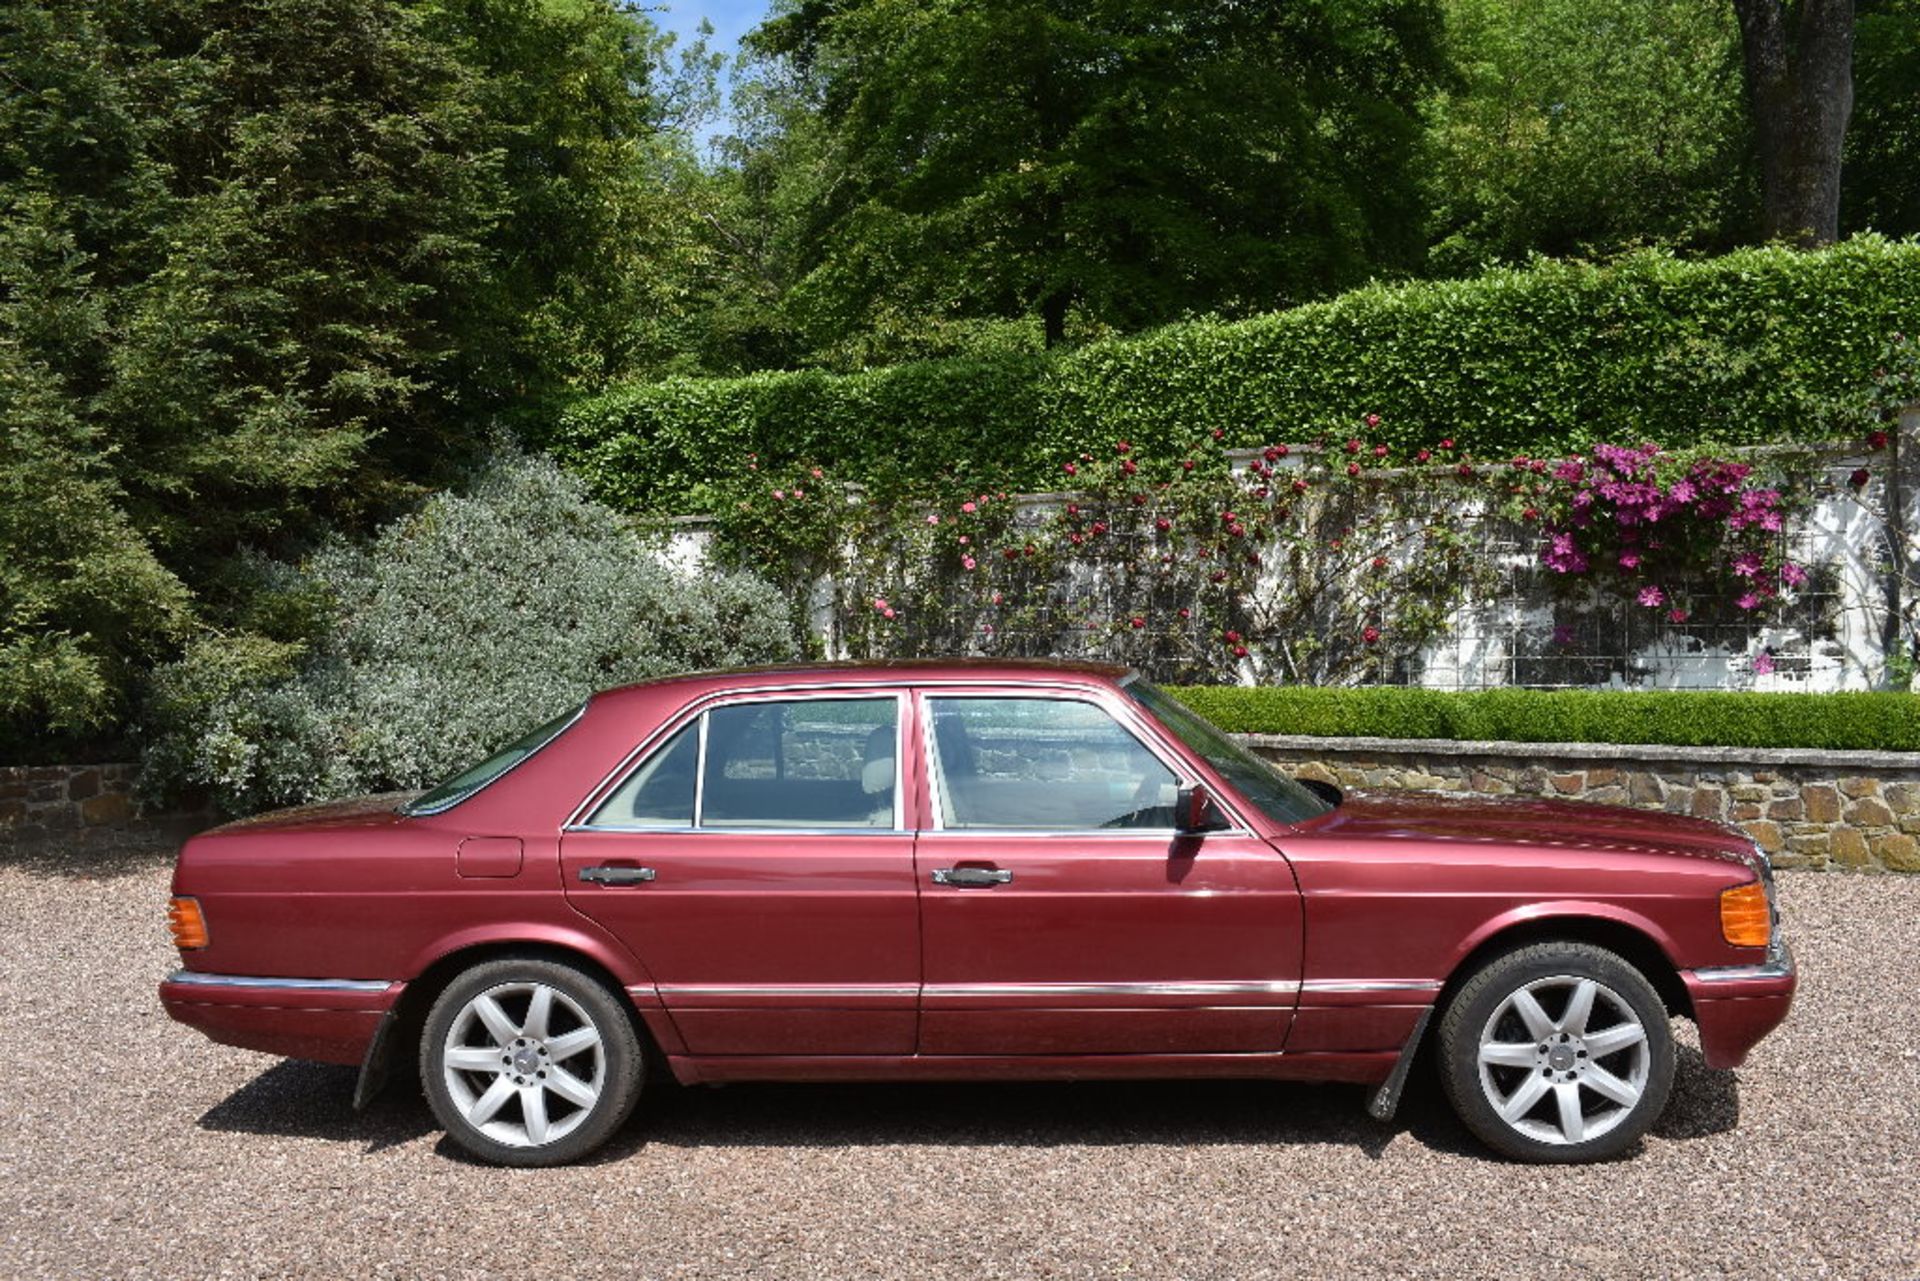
x,y
84,804
1807,809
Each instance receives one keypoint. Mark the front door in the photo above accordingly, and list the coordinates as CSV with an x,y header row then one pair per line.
x,y
758,863
1061,912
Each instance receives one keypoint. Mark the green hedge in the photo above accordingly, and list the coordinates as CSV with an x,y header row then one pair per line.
x,y
1873,722
1760,345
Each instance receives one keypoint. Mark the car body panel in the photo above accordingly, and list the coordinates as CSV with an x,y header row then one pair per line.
x,y
1307,950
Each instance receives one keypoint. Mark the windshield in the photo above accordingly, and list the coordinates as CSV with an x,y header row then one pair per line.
x,y
1279,797
470,780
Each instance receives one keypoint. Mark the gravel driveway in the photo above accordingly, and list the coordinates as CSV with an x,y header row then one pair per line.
x,y
133,1147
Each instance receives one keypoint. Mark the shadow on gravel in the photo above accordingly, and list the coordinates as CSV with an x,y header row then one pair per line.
x,y
315,1101
312,1100
1704,1102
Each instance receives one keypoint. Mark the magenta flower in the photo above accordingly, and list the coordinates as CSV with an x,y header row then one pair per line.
x,y
932,519
968,508
967,562
1563,634
1629,560
1763,664
1791,574
1676,616
1652,597
1748,564
1747,600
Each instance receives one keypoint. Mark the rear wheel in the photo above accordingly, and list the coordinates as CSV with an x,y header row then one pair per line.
x,y
529,1062
1557,1052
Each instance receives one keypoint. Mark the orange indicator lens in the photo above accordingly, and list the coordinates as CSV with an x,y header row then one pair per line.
x,y
1745,920
188,926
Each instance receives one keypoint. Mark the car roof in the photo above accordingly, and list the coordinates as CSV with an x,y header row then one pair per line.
x,y
903,671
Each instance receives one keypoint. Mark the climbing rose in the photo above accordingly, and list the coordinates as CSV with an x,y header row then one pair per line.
x,y
968,508
1138,622
967,562
1859,478
1676,616
1353,447
1424,456
1239,651
1353,469
1876,439
1370,635
1373,420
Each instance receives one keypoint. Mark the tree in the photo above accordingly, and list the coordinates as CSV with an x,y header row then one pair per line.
x,y
1107,162
1587,126
1880,182
267,267
1798,61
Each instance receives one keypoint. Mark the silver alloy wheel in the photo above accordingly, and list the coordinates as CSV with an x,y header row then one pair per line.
x,y
1564,1059
524,1064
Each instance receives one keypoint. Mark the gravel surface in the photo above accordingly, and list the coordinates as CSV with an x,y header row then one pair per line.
x,y
133,1147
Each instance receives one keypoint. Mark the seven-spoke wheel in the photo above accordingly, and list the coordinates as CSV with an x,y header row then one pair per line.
x,y
1557,1052
529,1062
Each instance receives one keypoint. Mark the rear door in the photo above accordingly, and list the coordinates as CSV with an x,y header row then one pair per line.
x,y
757,859
1063,914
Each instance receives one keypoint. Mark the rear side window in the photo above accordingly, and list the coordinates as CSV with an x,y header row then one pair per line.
x,y
793,763
474,777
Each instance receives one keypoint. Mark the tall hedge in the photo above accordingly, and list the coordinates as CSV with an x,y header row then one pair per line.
x,y
1759,345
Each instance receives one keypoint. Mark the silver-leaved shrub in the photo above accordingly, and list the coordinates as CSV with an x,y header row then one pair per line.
x,y
455,630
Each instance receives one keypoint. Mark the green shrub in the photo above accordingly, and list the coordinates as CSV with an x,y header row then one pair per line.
x,y
459,627
1864,721
1757,346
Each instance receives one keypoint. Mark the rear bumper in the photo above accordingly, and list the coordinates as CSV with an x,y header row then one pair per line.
x,y
1735,1006
331,1020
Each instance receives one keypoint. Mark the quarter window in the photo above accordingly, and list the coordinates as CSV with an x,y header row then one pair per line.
x,y
1043,764
795,763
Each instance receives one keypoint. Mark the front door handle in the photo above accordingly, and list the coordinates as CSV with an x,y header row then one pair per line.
x,y
616,875
967,878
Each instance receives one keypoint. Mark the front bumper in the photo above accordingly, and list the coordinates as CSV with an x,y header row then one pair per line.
x,y
1737,1005
331,1020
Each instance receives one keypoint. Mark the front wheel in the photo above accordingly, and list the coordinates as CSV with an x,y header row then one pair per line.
x,y
529,1062
1558,1052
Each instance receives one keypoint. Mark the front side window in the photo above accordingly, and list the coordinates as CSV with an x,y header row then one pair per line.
x,y
795,763
1043,764
1279,797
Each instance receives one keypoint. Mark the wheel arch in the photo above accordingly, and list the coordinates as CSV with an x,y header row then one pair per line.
x,y
1633,940
398,1040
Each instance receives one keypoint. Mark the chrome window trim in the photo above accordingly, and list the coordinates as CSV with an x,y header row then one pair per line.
x,y
197,978
1182,777
682,832
1370,985
580,819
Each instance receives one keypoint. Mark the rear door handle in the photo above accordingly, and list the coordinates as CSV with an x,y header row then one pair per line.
x,y
616,875
967,878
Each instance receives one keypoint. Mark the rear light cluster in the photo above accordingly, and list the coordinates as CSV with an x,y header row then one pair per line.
x,y
1746,917
188,926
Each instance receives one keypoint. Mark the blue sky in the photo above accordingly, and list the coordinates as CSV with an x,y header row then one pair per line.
x,y
731,19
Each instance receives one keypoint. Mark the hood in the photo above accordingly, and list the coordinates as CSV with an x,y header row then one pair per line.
x,y
1519,820
354,812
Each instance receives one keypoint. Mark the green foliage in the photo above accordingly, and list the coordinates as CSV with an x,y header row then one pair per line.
x,y
457,628
1880,180
267,267
1886,722
1581,126
1758,346
1129,162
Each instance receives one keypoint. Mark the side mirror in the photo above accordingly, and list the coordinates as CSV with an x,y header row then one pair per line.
x,y
1195,811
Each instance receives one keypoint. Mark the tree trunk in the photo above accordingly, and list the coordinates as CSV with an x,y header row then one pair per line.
x,y
1798,60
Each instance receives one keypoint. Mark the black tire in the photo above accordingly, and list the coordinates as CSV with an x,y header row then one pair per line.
x,y
537,1124
1554,1060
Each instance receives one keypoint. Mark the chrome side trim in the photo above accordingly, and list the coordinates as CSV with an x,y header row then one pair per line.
x,y
787,989
195,978
1370,985
1247,988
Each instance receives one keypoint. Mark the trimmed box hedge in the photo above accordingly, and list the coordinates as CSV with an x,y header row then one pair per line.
x,y
1888,722
1759,346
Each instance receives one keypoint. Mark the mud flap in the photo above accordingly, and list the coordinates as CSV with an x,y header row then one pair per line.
x,y
373,1068
1386,1100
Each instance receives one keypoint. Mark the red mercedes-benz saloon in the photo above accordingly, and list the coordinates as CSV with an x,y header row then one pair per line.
x,y
966,870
